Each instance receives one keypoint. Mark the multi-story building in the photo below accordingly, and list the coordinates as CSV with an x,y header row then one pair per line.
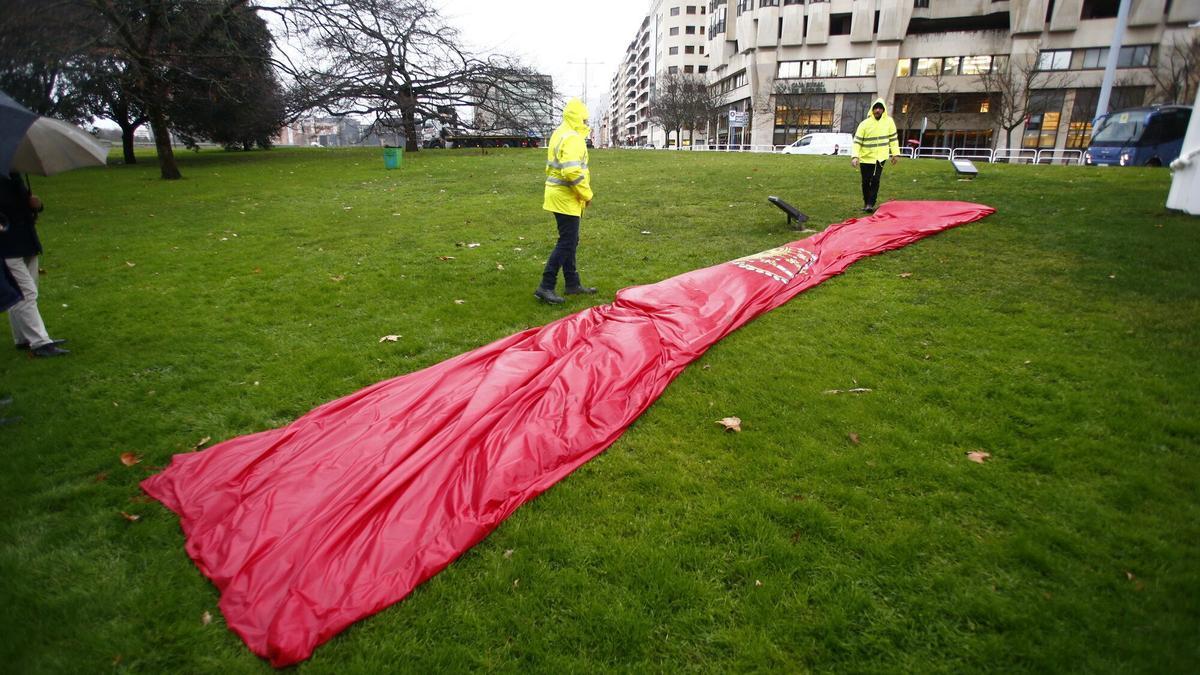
x,y
627,119
799,66
672,38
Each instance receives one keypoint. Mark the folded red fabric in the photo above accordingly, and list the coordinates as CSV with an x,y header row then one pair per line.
x,y
308,528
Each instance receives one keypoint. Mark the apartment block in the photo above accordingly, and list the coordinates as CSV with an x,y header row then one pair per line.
x,y
672,38
806,65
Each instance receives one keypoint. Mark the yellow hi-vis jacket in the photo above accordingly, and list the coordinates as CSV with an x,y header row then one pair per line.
x,y
875,139
568,182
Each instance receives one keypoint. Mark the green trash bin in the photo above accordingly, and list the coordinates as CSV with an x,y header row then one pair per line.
x,y
392,157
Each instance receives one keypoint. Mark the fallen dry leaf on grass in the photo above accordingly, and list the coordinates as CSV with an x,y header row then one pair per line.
x,y
131,517
1137,583
499,266
854,438
445,257
100,477
757,583
337,278
731,423
905,275
130,263
856,390
206,618
129,459
200,443
508,554
390,338
459,302
979,456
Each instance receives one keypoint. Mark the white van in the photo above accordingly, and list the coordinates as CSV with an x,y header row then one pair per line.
x,y
821,143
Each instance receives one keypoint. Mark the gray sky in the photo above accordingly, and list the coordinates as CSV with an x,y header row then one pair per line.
x,y
551,34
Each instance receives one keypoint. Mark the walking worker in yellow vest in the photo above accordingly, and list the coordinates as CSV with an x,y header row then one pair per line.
x,y
874,141
568,192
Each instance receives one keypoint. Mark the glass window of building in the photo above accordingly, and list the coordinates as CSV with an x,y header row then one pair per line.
x,y
674,11
673,51
687,69
690,30
904,68
1054,59
691,9
675,30
788,70
689,49
950,65
928,67
860,67
673,69
826,68
854,110
702,69
798,114
976,65
806,69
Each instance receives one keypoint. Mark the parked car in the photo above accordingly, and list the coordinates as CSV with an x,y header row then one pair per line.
x,y
1139,136
821,143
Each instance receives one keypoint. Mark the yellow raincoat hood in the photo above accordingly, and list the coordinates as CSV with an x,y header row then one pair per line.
x,y
575,115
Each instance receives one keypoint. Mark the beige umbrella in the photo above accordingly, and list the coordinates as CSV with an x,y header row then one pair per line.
x,y
52,146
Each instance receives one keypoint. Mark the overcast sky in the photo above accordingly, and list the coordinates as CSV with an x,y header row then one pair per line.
x,y
553,36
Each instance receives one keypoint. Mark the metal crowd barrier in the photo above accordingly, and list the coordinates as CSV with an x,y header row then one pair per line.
x,y
1059,156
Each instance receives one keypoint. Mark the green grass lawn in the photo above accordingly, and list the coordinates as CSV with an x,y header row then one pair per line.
x,y
1061,335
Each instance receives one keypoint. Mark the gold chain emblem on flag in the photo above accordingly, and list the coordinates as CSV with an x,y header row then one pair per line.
x,y
783,264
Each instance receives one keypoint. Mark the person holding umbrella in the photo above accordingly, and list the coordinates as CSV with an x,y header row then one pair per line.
x,y
45,146
20,247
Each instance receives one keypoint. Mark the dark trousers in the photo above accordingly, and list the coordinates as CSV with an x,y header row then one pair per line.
x,y
563,255
871,173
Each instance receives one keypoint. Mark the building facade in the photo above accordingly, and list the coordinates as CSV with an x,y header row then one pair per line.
x,y
815,65
671,38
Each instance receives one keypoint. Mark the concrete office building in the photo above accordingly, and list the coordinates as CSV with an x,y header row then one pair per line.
x,y
799,66
672,38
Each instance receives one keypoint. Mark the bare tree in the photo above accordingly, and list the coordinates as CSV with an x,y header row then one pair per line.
x,y
670,107
1177,73
1010,84
398,58
704,104
939,101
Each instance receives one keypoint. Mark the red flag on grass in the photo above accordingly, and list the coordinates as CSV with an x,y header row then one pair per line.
x,y
309,528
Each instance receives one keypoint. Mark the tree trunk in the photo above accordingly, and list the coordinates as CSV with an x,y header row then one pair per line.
x,y
127,142
162,143
411,142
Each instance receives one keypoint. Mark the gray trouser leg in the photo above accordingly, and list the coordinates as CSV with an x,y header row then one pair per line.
x,y
24,317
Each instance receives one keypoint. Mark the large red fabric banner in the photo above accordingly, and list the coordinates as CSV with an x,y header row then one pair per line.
x,y
308,528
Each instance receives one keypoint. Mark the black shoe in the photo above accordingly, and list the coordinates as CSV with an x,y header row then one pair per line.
x,y
548,295
24,346
48,350
869,208
579,290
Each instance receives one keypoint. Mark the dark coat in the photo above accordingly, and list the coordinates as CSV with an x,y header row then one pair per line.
x,y
19,238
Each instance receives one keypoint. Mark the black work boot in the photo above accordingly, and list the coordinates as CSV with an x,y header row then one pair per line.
x,y
579,290
548,295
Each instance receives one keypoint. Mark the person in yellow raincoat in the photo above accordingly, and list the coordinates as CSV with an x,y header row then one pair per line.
x,y
875,141
568,192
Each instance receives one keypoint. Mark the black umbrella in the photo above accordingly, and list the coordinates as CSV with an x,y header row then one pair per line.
x,y
15,120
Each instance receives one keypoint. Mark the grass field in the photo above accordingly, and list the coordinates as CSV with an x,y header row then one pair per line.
x,y
1060,335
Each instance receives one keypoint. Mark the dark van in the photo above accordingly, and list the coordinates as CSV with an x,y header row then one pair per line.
x,y
1139,136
